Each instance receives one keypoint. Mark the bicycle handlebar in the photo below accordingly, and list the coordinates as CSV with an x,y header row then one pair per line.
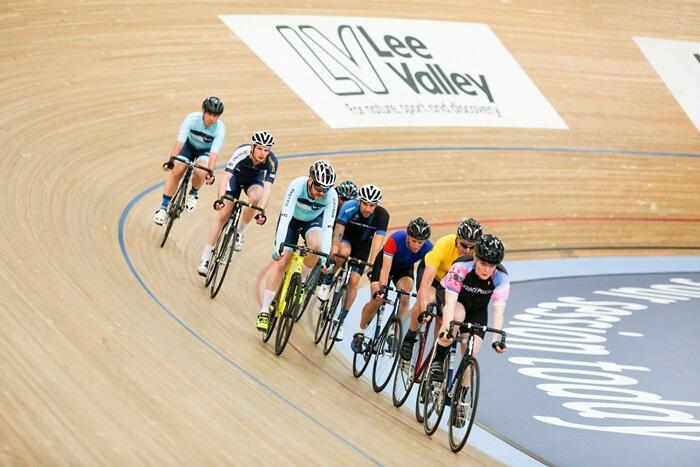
x,y
471,327
303,250
187,162
350,260
430,312
241,202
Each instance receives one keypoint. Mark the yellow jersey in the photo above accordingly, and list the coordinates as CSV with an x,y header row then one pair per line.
x,y
442,255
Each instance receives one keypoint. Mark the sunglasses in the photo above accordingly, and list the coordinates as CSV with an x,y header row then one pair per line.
x,y
467,246
320,188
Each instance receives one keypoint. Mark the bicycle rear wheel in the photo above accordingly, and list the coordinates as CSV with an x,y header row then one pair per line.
x,y
434,399
333,319
464,401
284,330
174,210
223,259
387,355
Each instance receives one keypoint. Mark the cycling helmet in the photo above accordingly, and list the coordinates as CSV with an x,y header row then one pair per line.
x,y
322,173
213,105
347,190
490,248
419,229
370,194
262,138
469,230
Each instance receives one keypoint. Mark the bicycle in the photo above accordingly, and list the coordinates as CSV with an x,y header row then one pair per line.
x,y
177,203
453,390
288,298
310,288
223,251
328,321
409,372
384,345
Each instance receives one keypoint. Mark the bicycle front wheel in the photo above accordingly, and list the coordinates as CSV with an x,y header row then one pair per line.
x,y
387,355
223,260
334,311
174,210
272,320
466,396
434,399
284,330
403,381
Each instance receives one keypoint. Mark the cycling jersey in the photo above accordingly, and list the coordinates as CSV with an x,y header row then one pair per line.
x,y
474,292
442,255
193,130
245,173
359,228
397,247
299,205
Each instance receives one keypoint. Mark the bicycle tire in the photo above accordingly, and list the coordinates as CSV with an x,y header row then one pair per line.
x,y
213,262
284,330
458,435
174,210
309,289
226,244
437,398
321,322
387,354
272,320
334,324
404,379
420,398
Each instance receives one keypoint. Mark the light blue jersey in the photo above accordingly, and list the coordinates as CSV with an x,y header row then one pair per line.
x,y
200,136
299,205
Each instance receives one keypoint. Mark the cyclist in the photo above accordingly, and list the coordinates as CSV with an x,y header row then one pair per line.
x,y
309,208
200,139
394,263
470,284
252,169
359,232
346,191
433,268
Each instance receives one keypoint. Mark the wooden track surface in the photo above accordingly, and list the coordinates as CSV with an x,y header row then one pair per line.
x,y
94,371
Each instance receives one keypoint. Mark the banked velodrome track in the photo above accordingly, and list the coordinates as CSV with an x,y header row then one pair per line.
x,y
112,352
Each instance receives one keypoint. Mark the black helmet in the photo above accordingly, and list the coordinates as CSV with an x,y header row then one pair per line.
x,y
419,229
213,105
469,230
262,138
347,190
490,248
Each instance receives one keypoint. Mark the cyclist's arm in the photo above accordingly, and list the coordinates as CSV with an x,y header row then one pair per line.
x,y
328,221
448,310
267,192
377,244
223,186
386,269
424,287
498,301
498,313
217,144
286,213
176,148
338,232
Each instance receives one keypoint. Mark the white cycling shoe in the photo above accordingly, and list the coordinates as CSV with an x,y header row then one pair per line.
x,y
203,268
323,292
160,216
191,202
238,244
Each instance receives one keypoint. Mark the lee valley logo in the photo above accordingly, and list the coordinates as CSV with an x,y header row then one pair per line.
x,y
372,72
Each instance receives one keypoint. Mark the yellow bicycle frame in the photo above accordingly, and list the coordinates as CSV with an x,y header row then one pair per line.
x,y
295,264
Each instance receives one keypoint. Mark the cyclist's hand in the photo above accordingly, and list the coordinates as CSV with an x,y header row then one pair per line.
x,y
446,336
381,293
209,178
219,203
168,166
261,218
498,348
276,255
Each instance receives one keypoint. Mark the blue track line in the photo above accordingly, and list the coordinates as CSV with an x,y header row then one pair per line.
x,y
210,346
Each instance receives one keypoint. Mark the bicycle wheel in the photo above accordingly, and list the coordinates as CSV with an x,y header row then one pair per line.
x,y
434,400
403,381
174,210
333,318
223,259
284,330
322,321
272,320
213,266
466,396
309,287
420,400
387,355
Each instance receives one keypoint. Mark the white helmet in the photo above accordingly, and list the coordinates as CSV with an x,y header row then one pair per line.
x,y
322,174
370,194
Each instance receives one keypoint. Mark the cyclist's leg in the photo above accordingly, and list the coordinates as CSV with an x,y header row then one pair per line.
x,y
217,223
176,173
199,175
373,304
254,190
274,275
404,282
